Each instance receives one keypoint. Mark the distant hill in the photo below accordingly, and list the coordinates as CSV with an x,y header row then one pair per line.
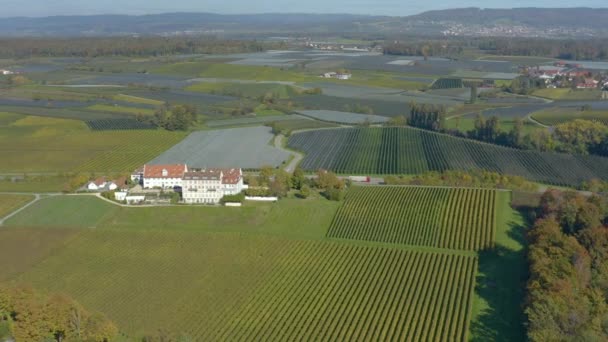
x,y
535,17
175,22
577,21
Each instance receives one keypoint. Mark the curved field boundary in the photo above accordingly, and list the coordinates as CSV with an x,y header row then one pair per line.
x,y
396,150
462,219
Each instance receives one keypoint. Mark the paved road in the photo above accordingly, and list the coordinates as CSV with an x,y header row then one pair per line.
x,y
297,157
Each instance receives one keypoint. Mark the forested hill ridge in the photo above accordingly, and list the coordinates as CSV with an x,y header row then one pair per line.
x,y
525,22
533,17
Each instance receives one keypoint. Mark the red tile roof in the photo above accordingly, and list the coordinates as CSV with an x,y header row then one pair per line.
x,y
165,171
100,181
231,176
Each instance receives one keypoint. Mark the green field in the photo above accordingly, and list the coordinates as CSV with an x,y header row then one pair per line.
x,y
434,217
300,218
569,94
48,183
39,144
557,115
10,203
137,99
120,109
248,90
232,71
262,271
465,124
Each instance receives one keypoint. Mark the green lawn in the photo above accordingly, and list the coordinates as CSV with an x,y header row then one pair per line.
x,y
501,279
64,211
10,203
293,217
557,115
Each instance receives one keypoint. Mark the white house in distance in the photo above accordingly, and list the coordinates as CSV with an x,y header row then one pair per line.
x,y
208,186
163,176
101,184
337,75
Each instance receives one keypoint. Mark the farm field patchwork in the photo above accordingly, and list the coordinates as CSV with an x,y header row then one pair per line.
x,y
272,288
569,94
412,151
433,217
247,148
343,117
36,144
10,203
554,116
252,120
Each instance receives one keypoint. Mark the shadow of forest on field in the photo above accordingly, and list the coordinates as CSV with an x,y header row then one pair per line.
x,y
501,281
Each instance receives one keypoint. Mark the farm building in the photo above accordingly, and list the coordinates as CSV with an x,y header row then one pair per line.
x,y
337,75
210,185
101,184
163,176
138,175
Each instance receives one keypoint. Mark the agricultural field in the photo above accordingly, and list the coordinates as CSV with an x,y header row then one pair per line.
x,y
411,151
120,109
248,90
434,217
118,125
569,94
10,203
252,120
303,124
285,280
557,115
447,83
35,144
274,288
248,148
342,117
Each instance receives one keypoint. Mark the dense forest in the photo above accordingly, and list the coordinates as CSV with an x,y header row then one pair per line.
x,y
568,255
126,46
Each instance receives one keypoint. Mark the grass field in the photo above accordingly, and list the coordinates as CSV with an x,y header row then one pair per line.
x,y
248,90
434,217
369,151
49,183
465,124
10,203
300,218
569,94
137,99
120,109
557,115
38,144
232,71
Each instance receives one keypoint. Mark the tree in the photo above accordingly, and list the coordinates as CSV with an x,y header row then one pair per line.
x,y
266,173
473,94
304,191
298,179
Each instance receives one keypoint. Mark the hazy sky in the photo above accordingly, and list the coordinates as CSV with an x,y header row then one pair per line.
x,y
36,8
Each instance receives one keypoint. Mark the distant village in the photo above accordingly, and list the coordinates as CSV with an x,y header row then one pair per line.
x,y
568,75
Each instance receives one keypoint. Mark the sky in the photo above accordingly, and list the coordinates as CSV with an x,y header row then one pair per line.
x,y
41,8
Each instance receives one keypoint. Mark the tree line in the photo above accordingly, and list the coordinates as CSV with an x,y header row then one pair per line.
x,y
171,118
567,290
569,49
127,46
28,315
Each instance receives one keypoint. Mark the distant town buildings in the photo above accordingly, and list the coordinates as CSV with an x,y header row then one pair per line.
x,y
6,72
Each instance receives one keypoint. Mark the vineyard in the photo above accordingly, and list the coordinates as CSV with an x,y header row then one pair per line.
x,y
432,217
447,83
411,151
272,288
558,115
118,125
10,203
